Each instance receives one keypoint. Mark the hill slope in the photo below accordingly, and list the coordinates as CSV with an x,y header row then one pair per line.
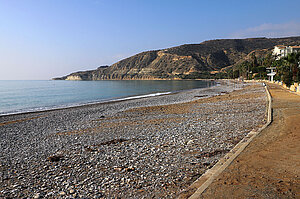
x,y
185,61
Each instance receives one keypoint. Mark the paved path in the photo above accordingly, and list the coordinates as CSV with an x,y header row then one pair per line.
x,y
270,166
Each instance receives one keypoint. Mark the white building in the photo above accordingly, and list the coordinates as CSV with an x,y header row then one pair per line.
x,y
282,51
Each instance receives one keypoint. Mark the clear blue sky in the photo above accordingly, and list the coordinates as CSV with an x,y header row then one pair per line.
x,y
41,39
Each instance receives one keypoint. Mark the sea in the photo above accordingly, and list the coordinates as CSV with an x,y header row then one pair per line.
x,y
20,96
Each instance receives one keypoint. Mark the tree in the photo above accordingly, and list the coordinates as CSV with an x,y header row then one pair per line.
x,y
293,60
287,77
268,60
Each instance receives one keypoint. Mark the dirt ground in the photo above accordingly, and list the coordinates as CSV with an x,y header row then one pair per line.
x,y
270,166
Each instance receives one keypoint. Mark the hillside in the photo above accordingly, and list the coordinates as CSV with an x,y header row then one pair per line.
x,y
187,61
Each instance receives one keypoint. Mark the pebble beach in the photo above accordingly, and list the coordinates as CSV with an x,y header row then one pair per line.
x,y
151,147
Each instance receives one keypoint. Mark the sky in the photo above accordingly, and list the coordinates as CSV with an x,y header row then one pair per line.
x,y
42,39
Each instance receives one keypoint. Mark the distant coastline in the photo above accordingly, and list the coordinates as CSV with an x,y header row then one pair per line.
x,y
207,60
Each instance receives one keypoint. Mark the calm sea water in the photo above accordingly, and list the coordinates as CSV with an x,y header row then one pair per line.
x,y
24,96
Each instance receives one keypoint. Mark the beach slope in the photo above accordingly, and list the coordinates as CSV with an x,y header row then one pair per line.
x,y
151,147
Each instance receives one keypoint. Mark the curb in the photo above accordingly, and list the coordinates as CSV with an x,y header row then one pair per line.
x,y
210,175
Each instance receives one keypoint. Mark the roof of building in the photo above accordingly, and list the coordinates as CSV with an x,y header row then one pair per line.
x,y
281,47
295,46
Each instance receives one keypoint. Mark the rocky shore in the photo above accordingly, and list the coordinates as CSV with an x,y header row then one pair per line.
x,y
143,148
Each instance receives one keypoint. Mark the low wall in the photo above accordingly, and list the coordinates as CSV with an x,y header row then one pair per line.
x,y
294,88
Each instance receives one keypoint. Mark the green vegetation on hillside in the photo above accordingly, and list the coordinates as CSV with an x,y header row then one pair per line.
x,y
287,68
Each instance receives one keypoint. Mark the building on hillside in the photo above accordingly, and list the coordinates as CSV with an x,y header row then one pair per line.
x,y
282,51
279,51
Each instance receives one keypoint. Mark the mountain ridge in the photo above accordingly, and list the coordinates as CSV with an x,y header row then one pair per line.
x,y
187,61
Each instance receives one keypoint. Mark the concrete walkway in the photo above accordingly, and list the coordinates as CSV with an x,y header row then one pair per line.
x,y
270,166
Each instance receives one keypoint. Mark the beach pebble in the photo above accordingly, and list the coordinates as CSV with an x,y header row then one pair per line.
x,y
190,142
62,193
36,196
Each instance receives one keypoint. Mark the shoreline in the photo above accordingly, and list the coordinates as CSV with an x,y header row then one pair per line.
x,y
114,100
82,105
148,147
99,102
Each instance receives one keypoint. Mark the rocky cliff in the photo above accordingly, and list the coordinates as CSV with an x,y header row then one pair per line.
x,y
185,61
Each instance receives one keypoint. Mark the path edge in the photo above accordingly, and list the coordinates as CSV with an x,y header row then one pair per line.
x,y
210,175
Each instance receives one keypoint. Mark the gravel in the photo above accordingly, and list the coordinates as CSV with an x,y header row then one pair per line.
x,y
142,148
